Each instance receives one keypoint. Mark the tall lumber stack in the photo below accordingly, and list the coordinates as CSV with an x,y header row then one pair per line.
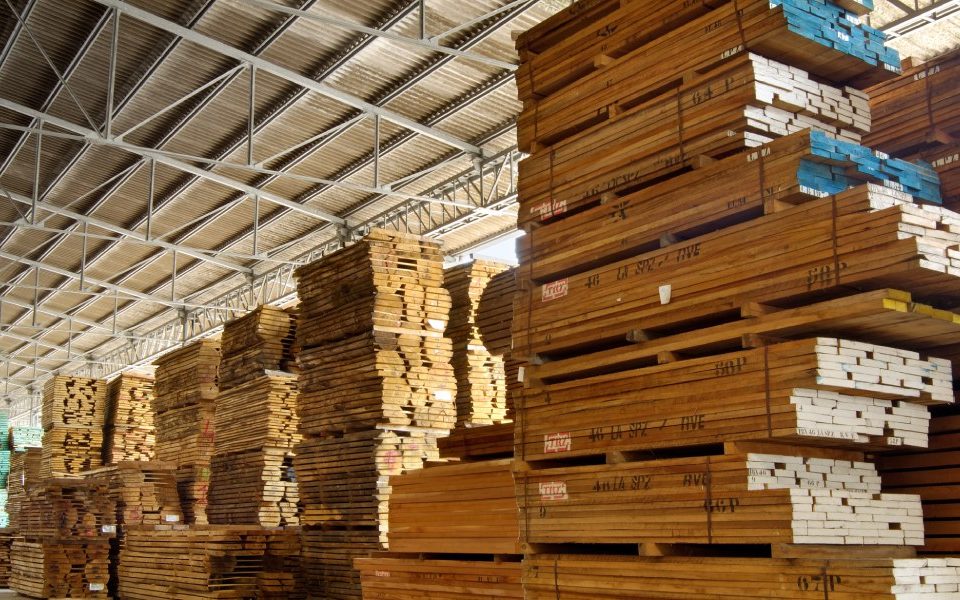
x,y
144,493
4,468
184,403
917,117
251,480
210,561
480,374
72,415
63,546
128,432
716,304
24,473
376,390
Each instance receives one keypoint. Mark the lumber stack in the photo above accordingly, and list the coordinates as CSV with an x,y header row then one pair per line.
x,y
440,579
184,404
933,474
24,474
72,415
684,395
260,341
481,378
128,432
64,510
495,322
4,470
212,561
919,110
547,577
376,390
6,541
22,438
42,569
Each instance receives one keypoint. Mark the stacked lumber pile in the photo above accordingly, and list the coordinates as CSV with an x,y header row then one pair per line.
x,y
22,438
24,474
72,415
415,578
376,391
212,561
184,404
495,322
547,577
6,541
59,570
63,544
252,468
145,493
128,432
709,302
261,341
480,374
4,470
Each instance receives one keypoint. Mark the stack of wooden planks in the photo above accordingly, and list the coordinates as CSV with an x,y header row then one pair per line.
x,y
184,404
391,578
212,561
261,341
376,390
76,569
7,536
725,302
495,322
481,377
22,438
934,474
68,509
128,431
72,415
581,577
919,110
24,474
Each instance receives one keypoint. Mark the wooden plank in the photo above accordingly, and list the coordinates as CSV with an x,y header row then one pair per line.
x,y
389,578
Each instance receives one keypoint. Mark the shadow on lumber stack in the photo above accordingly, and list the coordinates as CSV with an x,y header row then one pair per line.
x,y
184,403
727,306
376,391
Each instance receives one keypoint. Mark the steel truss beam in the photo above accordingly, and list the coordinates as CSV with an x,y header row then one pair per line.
x,y
919,18
285,73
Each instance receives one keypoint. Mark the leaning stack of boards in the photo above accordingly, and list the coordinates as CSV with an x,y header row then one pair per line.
x,y
376,391
464,518
128,433
251,471
480,374
210,561
72,415
725,303
24,474
63,546
262,340
185,392
144,493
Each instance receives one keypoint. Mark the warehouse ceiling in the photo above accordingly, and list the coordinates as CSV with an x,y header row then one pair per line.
x,y
166,164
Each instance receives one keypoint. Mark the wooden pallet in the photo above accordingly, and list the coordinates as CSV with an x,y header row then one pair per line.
x,y
455,509
263,340
833,244
390,577
934,474
759,494
60,569
345,480
328,560
73,402
254,487
480,375
558,103
820,391
837,577
201,562
128,429
919,110
62,510
186,376
258,413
